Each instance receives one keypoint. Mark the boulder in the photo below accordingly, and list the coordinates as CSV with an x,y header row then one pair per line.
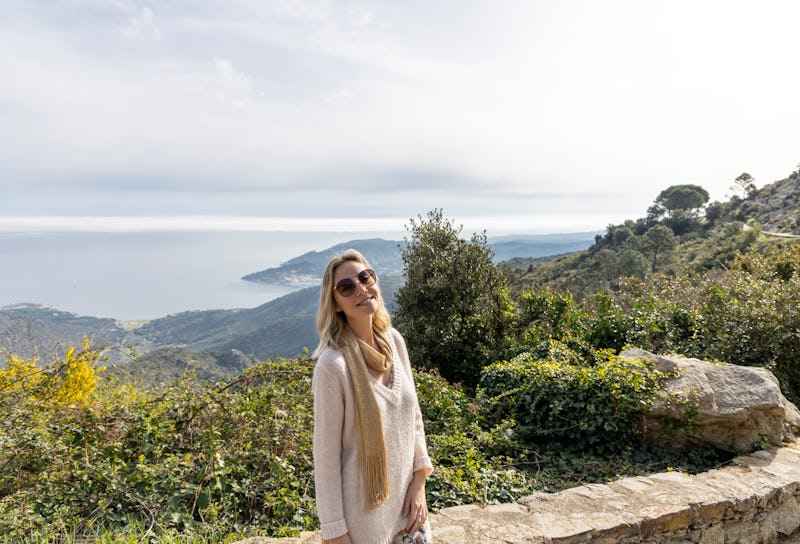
x,y
730,407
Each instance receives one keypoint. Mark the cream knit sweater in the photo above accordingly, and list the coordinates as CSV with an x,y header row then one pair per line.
x,y
337,476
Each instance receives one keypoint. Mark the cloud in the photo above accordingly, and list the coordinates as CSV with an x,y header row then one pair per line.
x,y
461,104
235,87
142,22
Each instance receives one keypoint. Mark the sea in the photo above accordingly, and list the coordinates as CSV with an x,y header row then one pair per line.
x,y
131,276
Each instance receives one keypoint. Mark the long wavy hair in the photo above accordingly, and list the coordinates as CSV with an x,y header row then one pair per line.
x,y
332,323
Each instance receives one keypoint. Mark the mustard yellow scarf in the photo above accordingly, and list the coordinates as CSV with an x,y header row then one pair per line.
x,y
370,443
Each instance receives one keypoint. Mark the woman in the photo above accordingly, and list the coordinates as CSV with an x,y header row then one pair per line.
x,y
370,456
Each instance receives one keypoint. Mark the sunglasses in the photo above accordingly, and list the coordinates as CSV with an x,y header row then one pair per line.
x,y
347,286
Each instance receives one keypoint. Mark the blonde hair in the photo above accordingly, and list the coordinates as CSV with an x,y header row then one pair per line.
x,y
332,323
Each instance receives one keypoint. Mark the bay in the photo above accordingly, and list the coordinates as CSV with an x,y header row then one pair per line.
x,y
145,275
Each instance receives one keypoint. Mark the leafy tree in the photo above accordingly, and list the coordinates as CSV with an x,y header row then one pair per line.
x,y
631,262
454,308
744,185
658,240
685,197
714,211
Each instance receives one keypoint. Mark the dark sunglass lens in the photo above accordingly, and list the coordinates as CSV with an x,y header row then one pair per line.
x,y
366,277
346,287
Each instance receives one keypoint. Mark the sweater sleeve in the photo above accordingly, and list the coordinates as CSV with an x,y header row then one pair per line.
x,y
422,460
327,386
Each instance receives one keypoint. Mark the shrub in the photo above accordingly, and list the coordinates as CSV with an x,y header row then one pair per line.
x,y
593,408
455,303
191,455
472,464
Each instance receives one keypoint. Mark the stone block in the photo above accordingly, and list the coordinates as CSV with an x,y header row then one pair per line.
x,y
457,512
595,491
535,498
612,525
637,484
712,535
741,533
564,528
786,516
708,512
449,534
665,520
505,508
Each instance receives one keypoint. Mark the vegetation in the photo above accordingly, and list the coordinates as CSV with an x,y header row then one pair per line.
x,y
687,240
518,374
454,303
192,457
195,461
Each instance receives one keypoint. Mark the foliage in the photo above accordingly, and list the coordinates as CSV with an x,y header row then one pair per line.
x,y
191,456
71,382
702,242
455,303
747,315
658,240
203,461
585,408
744,185
684,197
473,464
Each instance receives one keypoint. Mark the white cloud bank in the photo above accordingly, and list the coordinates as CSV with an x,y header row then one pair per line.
x,y
348,108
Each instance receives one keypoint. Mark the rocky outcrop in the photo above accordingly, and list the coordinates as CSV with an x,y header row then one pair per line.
x,y
729,407
754,500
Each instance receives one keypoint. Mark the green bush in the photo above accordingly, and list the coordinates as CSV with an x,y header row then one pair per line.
x,y
472,464
455,303
594,408
192,455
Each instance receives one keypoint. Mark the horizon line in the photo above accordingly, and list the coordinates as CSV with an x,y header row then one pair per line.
x,y
534,224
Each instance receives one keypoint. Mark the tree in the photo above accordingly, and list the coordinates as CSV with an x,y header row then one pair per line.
x,y
454,308
744,185
685,197
658,240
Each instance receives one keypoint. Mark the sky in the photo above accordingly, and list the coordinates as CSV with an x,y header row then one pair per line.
x,y
529,116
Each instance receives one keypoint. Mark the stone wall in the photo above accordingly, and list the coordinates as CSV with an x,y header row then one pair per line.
x,y
753,500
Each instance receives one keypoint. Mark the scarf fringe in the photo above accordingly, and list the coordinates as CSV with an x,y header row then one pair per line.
x,y
376,479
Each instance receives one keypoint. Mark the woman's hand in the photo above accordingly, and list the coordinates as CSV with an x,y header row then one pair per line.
x,y
344,539
414,506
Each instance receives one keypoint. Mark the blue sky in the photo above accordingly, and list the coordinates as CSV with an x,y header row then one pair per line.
x,y
531,115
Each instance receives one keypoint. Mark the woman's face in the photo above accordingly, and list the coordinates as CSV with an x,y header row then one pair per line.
x,y
364,300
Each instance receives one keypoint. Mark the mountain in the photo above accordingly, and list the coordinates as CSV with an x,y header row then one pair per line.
x,y
307,269
385,256
539,245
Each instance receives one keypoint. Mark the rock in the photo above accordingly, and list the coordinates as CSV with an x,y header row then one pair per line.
x,y
730,407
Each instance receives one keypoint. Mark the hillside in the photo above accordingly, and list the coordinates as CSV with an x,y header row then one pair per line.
x,y
281,327
776,207
29,330
692,240
164,365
